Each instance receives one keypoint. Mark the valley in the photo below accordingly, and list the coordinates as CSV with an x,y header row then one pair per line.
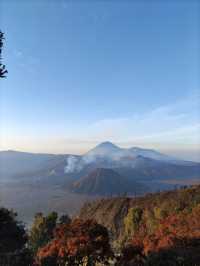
x,y
31,183
29,199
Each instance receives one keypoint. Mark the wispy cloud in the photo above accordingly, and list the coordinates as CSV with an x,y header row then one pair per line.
x,y
18,53
178,122
174,127
26,61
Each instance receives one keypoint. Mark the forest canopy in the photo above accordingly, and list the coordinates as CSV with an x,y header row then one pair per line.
x,y
157,232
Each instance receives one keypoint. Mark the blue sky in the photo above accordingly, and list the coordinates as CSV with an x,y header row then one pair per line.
x,y
85,72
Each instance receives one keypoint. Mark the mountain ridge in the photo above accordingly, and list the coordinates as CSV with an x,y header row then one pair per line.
x,y
111,150
134,163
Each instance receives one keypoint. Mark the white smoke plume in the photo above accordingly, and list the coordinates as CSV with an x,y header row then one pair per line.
x,y
73,165
107,155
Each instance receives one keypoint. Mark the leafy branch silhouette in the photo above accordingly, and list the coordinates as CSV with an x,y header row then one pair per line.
x,y
3,70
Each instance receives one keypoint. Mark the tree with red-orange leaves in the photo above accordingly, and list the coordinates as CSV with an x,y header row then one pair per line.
x,y
177,230
177,237
76,243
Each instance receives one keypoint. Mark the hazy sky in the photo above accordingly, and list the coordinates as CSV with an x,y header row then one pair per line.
x,y
82,72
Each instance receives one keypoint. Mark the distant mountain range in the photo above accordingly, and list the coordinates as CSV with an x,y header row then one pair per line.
x,y
106,169
110,151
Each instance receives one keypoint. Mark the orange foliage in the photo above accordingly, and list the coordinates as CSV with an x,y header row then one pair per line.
x,y
178,235
76,241
177,231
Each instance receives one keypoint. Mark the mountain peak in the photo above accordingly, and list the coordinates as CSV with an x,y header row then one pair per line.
x,y
104,149
107,144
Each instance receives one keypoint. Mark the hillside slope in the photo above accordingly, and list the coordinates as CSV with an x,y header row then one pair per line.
x,y
113,211
102,181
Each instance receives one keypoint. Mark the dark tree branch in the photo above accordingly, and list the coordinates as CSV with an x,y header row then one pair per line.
x,y
3,70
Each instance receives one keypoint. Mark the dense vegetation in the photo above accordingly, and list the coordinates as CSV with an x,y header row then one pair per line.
x,y
160,229
13,239
77,243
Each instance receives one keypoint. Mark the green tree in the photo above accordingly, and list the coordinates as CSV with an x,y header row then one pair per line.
x,y
12,233
150,220
42,230
160,212
13,239
64,219
132,221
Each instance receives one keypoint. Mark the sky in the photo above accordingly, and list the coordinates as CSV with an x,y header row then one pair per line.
x,y
83,72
